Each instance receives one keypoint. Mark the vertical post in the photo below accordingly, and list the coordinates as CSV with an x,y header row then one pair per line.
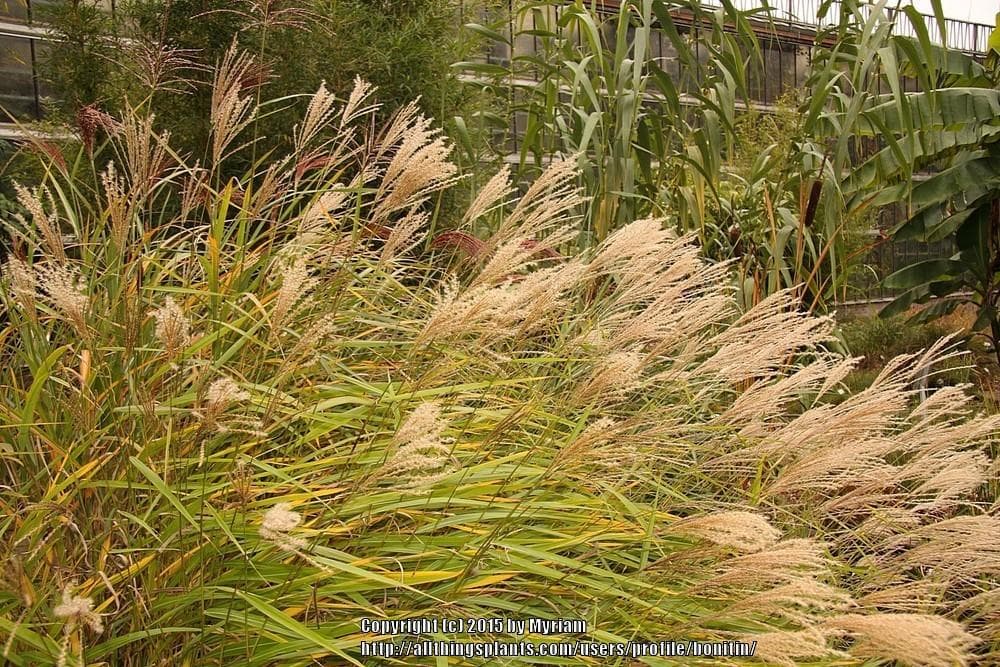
x,y
34,81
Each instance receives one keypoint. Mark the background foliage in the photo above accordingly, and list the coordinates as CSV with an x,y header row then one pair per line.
x,y
676,145
159,54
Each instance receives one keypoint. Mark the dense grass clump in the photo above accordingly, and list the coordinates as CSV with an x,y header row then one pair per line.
x,y
239,416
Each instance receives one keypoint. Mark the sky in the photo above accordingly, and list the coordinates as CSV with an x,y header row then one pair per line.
x,y
979,11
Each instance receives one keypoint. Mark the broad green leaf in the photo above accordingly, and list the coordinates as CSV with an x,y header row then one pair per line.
x,y
924,272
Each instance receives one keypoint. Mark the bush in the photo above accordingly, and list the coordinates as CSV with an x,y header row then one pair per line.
x,y
878,340
232,432
159,54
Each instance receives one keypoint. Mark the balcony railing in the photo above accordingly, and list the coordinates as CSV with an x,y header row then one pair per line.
x,y
960,35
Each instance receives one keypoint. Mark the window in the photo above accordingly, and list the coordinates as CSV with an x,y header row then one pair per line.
x,y
14,10
17,80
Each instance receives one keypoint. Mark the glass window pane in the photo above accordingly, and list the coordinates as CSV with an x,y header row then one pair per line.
x,y
14,10
774,58
45,95
789,59
17,84
667,53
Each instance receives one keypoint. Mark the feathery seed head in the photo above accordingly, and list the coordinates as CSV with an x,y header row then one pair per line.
x,y
172,327
788,647
90,119
46,223
599,448
220,395
424,423
118,203
231,110
21,279
403,235
490,195
922,640
279,519
419,165
353,109
296,283
64,288
614,377
635,241
315,224
422,456
278,524
77,610
146,154
162,68
743,531
224,392
318,114
800,600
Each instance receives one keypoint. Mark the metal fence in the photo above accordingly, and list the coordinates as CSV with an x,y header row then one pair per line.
x,y
960,35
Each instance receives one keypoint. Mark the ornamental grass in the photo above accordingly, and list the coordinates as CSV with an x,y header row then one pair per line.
x,y
240,414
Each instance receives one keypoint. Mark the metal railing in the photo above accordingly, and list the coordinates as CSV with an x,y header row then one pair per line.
x,y
960,35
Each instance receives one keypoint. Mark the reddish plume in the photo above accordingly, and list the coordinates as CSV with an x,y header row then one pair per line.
x,y
456,239
551,253
311,162
49,149
378,231
475,247
90,119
